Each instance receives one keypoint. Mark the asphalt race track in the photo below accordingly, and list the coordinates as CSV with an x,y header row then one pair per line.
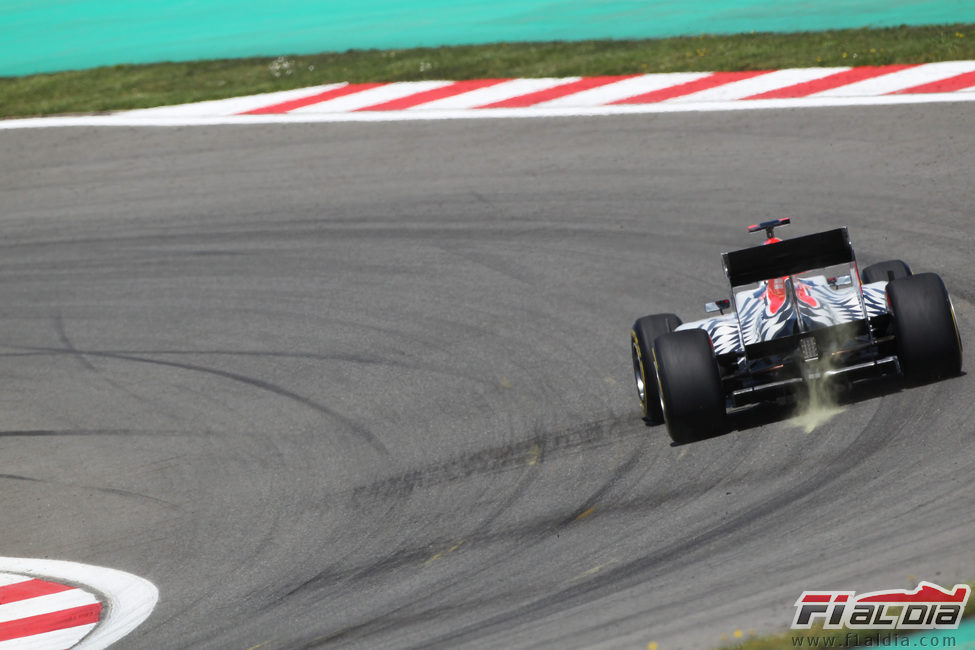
x,y
369,385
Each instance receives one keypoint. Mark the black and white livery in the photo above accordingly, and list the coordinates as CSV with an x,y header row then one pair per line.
x,y
801,313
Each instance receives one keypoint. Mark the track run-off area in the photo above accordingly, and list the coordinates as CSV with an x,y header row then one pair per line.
x,y
369,385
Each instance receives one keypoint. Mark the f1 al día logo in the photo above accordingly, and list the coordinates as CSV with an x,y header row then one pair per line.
x,y
928,607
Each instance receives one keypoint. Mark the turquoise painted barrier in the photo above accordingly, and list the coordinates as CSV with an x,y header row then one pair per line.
x,y
52,35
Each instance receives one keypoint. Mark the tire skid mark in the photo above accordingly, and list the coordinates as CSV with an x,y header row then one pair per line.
x,y
630,573
259,354
18,477
82,357
34,351
258,232
106,490
530,536
540,535
129,494
526,455
360,432
588,506
496,459
388,619
540,529
69,346
32,433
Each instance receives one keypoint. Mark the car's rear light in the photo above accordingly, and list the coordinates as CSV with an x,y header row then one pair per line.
x,y
809,348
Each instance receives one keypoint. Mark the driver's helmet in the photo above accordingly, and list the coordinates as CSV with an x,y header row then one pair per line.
x,y
775,288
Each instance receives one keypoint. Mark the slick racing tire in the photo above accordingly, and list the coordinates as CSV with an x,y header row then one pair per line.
x,y
645,331
689,384
928,344
885,271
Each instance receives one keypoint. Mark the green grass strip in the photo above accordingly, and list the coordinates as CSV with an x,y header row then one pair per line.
x,y
139,86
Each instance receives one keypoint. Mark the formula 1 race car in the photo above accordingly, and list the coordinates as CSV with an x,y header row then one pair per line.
x,y
801,314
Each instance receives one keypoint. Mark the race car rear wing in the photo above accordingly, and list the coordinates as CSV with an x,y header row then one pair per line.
x,y
787,257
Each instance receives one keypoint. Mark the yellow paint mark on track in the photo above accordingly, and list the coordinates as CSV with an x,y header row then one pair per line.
x,y
593,571
441,554
585,513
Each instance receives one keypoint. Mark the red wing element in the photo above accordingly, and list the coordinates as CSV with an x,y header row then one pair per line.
x,y
765,225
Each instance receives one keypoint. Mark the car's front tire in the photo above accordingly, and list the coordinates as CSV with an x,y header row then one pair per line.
x,y
887,271
689,384
642,335
928,344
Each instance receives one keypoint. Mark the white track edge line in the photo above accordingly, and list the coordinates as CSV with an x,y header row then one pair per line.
x,y
63,638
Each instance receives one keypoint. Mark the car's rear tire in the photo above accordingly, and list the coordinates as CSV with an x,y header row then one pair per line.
x,y
928,343
645,330
692,400
887,271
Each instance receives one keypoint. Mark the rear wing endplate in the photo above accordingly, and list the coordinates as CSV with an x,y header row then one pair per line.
x,y
788,257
